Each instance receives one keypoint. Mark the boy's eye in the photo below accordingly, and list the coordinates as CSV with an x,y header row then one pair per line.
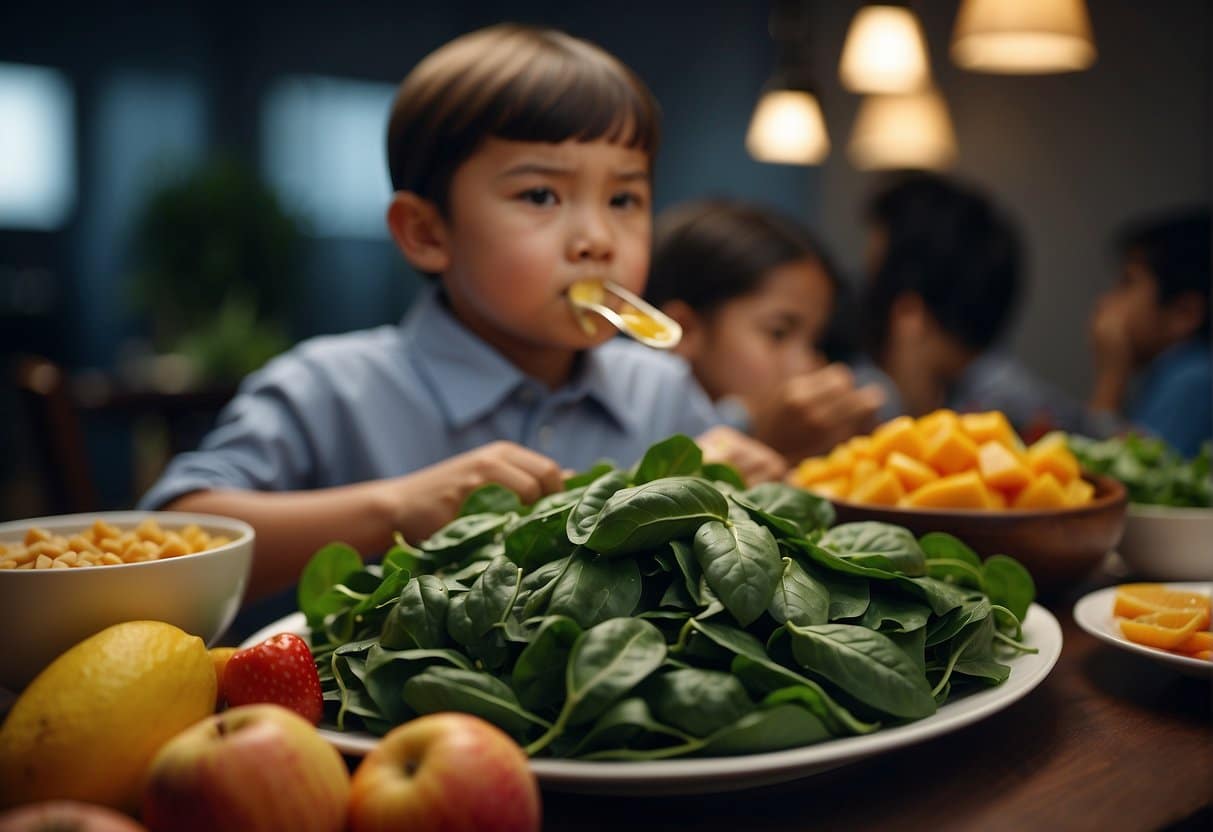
x,y
538,196
627,199
779,334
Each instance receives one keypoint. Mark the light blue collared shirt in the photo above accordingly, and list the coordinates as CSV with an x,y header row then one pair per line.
x,y
387,401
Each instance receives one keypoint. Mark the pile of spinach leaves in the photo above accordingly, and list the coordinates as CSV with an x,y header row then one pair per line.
x,y
661,611
1151,471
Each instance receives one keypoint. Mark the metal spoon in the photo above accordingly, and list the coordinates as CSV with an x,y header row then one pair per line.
x,y
638,318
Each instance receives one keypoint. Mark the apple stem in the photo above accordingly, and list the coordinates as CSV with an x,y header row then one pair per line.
x,y
410,766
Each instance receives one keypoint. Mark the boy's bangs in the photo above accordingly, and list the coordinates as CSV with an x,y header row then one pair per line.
x,y
574,101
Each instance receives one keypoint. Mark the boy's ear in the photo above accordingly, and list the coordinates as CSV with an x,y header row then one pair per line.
x,y
1183,315
420,232
692,328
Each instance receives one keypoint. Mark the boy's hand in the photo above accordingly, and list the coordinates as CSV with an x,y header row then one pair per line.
x,y
428,499
753,460
813,412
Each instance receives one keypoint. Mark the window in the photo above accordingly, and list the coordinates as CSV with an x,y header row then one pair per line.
x,y
322,149
37,148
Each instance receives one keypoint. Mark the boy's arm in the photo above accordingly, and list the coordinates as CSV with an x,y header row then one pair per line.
x,y
292,525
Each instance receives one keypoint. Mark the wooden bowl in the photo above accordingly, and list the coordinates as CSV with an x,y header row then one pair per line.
x,y
1058,547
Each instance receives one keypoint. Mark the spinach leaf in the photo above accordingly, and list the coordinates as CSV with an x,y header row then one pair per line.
x,y
327,568
463,535
799,597
491,498
673,457
419,617
769,729
648,516
593,589
741,564
588,509
538,675
865,664
697,702
623,724
791,511
877,545
1008,584
441,688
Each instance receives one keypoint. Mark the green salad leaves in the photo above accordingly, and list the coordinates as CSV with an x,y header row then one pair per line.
x,y
1151,471
661,611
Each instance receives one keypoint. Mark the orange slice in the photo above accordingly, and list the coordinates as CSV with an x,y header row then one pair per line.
x,y
1199,642
1167,630
1133,600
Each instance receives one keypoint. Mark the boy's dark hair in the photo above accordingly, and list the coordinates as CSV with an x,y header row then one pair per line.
x,y
1176,249
511,82
710,251
948,244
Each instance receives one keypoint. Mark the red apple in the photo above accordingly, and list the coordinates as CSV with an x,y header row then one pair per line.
x,y
66,816
256,768
447,772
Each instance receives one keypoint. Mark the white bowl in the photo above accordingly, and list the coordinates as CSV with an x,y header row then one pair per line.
x,y
1168,544
43,612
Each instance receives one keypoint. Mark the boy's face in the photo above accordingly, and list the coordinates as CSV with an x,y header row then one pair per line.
x,y
529,219
755,342
1133,309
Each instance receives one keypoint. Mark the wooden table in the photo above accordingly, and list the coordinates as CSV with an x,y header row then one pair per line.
x,y
1109,741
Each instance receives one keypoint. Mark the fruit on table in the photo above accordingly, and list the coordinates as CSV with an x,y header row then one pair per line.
x,y
66,816
88,725
255,768
278,670
1169,619
445,771
946,460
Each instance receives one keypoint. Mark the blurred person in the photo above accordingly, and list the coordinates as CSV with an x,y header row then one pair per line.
x,y
521,163
944,279
754,293
1150,332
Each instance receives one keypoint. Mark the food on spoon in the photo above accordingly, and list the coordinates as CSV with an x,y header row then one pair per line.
x,y
585,292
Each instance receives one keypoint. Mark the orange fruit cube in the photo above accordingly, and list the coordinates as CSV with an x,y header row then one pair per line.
x,y
1000,467
811,470
881,488
964,490
912,473
949,451
1044,492
864,468
1079,492
900,434
861,446
991,426
1050,454
935,420
836,488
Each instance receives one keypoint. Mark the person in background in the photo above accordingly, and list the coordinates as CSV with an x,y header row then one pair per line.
x,y
944,278
521,163
754,293
1150,332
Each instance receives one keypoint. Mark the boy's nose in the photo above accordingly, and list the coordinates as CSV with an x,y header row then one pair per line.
x,y
590,239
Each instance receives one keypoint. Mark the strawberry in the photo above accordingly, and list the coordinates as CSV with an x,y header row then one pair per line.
x,y
278,670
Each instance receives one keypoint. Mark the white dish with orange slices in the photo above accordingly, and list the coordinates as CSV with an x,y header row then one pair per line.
x,y
1095,614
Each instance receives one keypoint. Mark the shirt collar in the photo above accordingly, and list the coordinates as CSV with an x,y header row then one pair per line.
x,y
468,379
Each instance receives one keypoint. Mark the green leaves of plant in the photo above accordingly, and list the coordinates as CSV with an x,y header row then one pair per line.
x,y
660,612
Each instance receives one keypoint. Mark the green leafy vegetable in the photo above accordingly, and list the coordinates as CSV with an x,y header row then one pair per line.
x,y
657,612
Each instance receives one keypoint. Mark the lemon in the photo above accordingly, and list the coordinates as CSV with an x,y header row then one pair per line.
x,y
87,727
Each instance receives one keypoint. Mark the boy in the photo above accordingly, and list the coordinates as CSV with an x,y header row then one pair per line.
x,y
1151,331
520,160
944,280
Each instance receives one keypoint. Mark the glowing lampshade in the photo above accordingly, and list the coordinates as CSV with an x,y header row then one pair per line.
x,y
884,52
911,130
1023,36
787,127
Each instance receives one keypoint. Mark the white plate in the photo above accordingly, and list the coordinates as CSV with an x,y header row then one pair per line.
x,y
703,776
1093,613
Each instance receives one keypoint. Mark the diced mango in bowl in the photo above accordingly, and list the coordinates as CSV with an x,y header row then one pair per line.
x,y
948,460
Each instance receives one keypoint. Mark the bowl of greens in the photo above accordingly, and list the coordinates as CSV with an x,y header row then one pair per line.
x,y
662,611
1169,521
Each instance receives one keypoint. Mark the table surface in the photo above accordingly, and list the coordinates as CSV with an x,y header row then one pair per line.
x,y
1109,741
